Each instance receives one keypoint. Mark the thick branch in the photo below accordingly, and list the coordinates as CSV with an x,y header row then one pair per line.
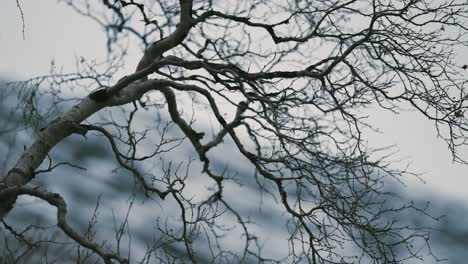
x,y
57,201
167,43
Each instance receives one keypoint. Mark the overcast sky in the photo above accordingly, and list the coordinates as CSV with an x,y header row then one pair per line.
x,y
55,32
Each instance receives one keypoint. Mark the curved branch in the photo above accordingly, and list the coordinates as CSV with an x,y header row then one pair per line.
x,y
156,50
57,201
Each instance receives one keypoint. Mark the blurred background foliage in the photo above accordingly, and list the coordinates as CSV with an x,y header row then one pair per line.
x,y
100,196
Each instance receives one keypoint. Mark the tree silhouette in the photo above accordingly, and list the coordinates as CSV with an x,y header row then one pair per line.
x,y
280,86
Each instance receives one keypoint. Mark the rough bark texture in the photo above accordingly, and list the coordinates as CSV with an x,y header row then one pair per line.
x,y
288,96
119,94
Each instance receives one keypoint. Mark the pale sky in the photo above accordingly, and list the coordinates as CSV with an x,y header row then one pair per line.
x,y
54,31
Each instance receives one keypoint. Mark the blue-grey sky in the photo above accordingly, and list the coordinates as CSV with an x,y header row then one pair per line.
x,y
54,32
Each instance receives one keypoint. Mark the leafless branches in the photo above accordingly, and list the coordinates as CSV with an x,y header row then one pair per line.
x,y
287,85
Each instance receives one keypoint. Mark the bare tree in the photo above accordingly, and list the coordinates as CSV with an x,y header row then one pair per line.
x,y
283,86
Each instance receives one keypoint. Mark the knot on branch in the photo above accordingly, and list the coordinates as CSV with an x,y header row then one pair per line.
x,y
99,95
77,128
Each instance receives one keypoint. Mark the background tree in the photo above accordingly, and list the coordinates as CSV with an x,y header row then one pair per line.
x,y
283,86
